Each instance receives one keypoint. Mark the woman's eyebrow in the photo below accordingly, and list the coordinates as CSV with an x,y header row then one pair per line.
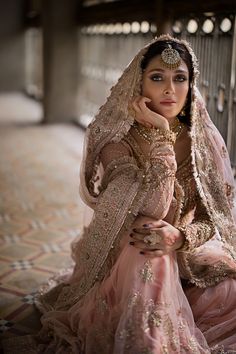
x,y
182,71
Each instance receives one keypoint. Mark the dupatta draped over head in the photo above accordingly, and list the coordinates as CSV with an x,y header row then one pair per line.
x,y
95,253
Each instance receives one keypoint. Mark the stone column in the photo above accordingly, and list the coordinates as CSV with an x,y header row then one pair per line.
x,y
59,60
163,18
12,46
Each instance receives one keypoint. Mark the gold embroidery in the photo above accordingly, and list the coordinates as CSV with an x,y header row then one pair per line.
x,y
229,191
224,152
181,325
192,345
102,305
196,234
170,333
164,349
210,188
133,299
146,273
154,319
219,349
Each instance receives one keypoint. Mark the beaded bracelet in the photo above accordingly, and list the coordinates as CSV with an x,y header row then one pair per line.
x,y
152,134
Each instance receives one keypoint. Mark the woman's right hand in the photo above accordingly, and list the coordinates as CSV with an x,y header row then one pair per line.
x,y
145,116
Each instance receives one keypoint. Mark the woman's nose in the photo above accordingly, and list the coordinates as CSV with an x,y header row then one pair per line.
x,y
169,88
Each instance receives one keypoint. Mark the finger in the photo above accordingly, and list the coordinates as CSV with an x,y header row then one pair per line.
x,y
153,254
147,124
155,224
144,99
142,231
136,237
136,106
143,104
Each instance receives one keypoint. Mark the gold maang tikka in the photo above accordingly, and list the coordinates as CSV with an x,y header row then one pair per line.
x,y
170,58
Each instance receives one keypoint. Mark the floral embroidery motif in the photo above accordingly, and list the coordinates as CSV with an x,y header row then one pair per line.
x,y
164,349
224,153
170,333
219,349
146,273
154,319
192,345
133,299
229,191
102,305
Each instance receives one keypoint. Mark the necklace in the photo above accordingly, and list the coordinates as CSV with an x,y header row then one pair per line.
x,y
149,135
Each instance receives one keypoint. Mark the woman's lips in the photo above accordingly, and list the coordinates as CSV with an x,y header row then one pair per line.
x,y
167,103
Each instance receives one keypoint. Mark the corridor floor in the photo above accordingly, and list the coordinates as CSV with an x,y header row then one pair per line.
x,y
40,210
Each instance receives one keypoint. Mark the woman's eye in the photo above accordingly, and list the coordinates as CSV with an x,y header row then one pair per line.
x,y
180,78
156,78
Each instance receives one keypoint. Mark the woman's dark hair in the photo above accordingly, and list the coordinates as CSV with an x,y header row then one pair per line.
x,y
156,49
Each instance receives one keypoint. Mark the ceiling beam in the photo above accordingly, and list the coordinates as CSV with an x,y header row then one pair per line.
x,y
139,10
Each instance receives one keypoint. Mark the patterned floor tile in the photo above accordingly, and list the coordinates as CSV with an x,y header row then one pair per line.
x,y
53,261
22,264
25,280
40,215
51,248
43,236
10,302
18,251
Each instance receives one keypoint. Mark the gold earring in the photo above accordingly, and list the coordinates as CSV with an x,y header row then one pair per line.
x,y
182,112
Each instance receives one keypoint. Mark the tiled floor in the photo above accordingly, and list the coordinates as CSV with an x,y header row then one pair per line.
x,y
40,211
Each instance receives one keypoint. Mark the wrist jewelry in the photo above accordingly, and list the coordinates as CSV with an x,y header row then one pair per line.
x,y
152,134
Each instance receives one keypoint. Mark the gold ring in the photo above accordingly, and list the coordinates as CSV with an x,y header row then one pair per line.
x,y
152,239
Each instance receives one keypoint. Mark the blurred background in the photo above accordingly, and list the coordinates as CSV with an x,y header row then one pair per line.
x,y
67,54
58,61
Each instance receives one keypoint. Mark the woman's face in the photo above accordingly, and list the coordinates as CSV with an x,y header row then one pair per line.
x,y
167,88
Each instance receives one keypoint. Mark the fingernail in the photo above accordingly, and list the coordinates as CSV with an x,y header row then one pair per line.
x,y
131,243
141,252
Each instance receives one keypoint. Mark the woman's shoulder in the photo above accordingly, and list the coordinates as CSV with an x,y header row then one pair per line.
x,y
114,151
120,147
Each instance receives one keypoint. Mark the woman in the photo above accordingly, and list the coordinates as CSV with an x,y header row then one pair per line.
x,y
155,269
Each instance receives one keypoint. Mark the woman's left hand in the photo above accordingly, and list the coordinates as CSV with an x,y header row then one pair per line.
x,y
157,238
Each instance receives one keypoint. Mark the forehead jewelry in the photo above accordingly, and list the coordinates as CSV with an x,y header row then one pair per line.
x,y
170,57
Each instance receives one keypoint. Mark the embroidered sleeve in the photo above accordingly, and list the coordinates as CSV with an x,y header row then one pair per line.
x,y
125,185
199,231
114,212
116,159
158,172
159,177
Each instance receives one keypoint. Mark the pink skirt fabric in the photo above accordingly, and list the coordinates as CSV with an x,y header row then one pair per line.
x,y
142,308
